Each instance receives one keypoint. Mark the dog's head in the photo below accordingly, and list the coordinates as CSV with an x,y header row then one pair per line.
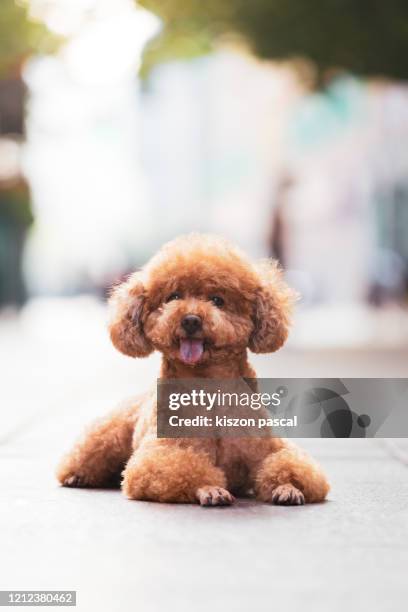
x,y
199,300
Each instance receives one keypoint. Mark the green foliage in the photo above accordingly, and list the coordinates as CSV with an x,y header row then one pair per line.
x,y
19,36
174,43
366,37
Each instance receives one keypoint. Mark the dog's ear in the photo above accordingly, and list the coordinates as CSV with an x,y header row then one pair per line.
x,y
273,308
126,306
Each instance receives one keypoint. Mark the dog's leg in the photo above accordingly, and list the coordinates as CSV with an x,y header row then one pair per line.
x,y
161,470
290,477
100,455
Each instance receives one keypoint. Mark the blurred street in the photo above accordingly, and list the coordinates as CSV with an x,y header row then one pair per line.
x,y
121,555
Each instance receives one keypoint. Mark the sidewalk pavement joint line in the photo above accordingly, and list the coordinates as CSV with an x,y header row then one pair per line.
x,y
395,451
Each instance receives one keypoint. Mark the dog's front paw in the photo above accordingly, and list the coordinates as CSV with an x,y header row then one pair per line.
x,y
287,495
214,496
74,481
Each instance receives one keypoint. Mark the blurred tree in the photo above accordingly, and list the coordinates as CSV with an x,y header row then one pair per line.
x,y
366,37
19,36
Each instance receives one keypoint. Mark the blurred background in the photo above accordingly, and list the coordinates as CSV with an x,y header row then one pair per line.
x,y
280,124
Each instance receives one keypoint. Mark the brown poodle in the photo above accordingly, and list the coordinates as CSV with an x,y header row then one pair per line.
x,y
202,304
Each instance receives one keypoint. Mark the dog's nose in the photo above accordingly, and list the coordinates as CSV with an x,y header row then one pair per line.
x,y
191,323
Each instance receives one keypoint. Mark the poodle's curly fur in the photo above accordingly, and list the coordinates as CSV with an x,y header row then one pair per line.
x,y
239,305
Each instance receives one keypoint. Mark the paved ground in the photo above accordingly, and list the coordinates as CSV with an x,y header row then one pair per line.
x,y
351,552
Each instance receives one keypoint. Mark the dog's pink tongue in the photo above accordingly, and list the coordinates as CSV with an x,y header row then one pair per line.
x,y
191,350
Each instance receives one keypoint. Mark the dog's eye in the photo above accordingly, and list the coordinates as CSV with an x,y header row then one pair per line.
x,y
217,301
173,296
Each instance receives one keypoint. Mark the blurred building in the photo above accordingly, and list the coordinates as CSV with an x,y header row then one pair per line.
x,y
345,215
212,142
237,147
